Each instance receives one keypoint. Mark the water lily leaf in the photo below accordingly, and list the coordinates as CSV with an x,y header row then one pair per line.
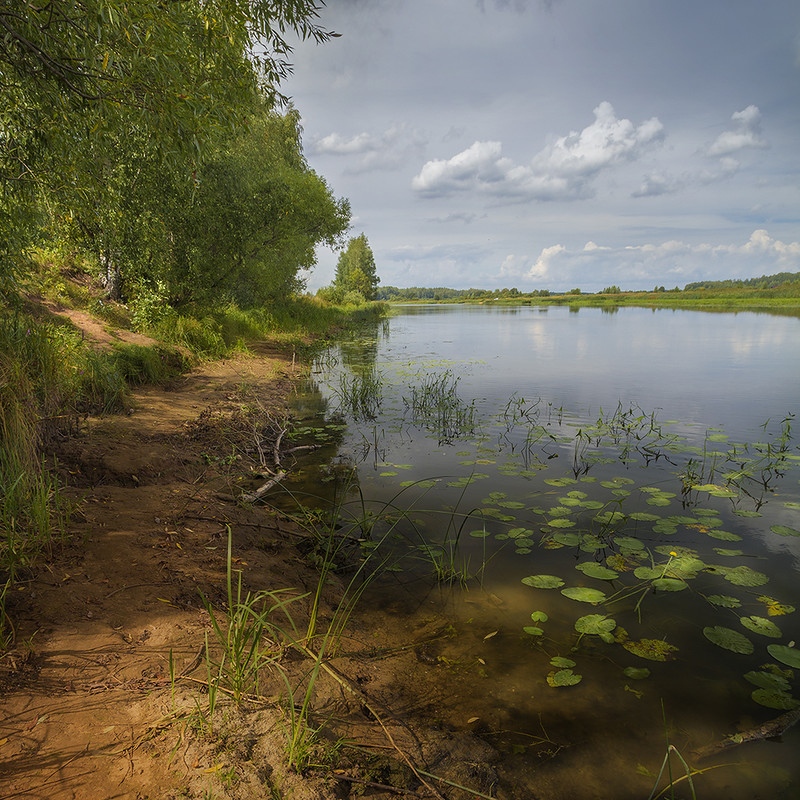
x,y
596,625
744,576
669,585
786,655
628,543
584,595
610,517
725,536
481,533
539,616
533,631
576,493
778,700
636,673
559,481
768,680
648,573
564,677
792,505
728,639
543,581
592,505
760,625
724,600
615,483
774,608
658,500
591,543
560,522
642,516
568,538
784,530
744,513
510,504
715,491
651,649
722,551
594,570
569,502
561,662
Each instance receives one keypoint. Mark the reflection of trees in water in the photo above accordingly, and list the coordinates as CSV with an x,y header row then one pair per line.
x,y
360,352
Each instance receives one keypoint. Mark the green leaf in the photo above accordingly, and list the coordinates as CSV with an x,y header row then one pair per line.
x,y
596,625
723,600
761,625
669,585
564,677
584,595
768,680
770,699
560,522
784,654
533,631
784,530
594,570
744,576
728,639
651,649
543,581
636,673
539,616
561,662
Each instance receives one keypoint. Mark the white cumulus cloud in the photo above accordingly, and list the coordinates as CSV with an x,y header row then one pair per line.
x,y
370,151
564,170
672,261
744,132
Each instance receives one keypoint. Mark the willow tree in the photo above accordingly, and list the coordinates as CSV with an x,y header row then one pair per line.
x,y
98,94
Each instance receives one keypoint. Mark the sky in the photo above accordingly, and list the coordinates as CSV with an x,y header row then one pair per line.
x,y
559,144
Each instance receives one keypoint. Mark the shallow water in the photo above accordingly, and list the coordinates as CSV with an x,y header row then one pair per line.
x,y
565,441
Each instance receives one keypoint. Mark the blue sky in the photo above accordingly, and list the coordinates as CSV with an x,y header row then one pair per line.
x,y
560,144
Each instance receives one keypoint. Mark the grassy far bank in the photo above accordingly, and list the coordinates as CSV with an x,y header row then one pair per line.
x,y
779,294
51,375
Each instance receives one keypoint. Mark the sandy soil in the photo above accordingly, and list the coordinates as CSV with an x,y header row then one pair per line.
x,y
105,690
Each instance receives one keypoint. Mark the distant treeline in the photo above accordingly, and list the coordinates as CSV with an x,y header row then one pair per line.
x,y
392,294
764,282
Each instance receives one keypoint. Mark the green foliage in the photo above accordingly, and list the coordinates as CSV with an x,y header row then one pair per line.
x,y
355,271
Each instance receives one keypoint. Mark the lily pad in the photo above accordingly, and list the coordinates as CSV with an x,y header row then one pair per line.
x,y
628,543
724,600
568,538
728,639
533,630
651,649
539,616
636,673
543,581
774,608
559,481
786,655
648,573
744,576
564,677
784,530
760,625
561,522
584,595
779,700
725,536
561,662
596,625
669,585
768,680
594,570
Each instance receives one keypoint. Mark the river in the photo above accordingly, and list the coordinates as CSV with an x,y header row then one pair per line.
x,y
607,502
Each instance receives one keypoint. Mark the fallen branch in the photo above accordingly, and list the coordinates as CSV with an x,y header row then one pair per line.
x,y
774,727
251,497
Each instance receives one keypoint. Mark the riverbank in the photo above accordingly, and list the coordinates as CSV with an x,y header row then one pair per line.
x,y
125,677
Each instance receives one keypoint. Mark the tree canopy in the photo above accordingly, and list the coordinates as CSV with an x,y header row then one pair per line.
x,y
119,119
355,270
